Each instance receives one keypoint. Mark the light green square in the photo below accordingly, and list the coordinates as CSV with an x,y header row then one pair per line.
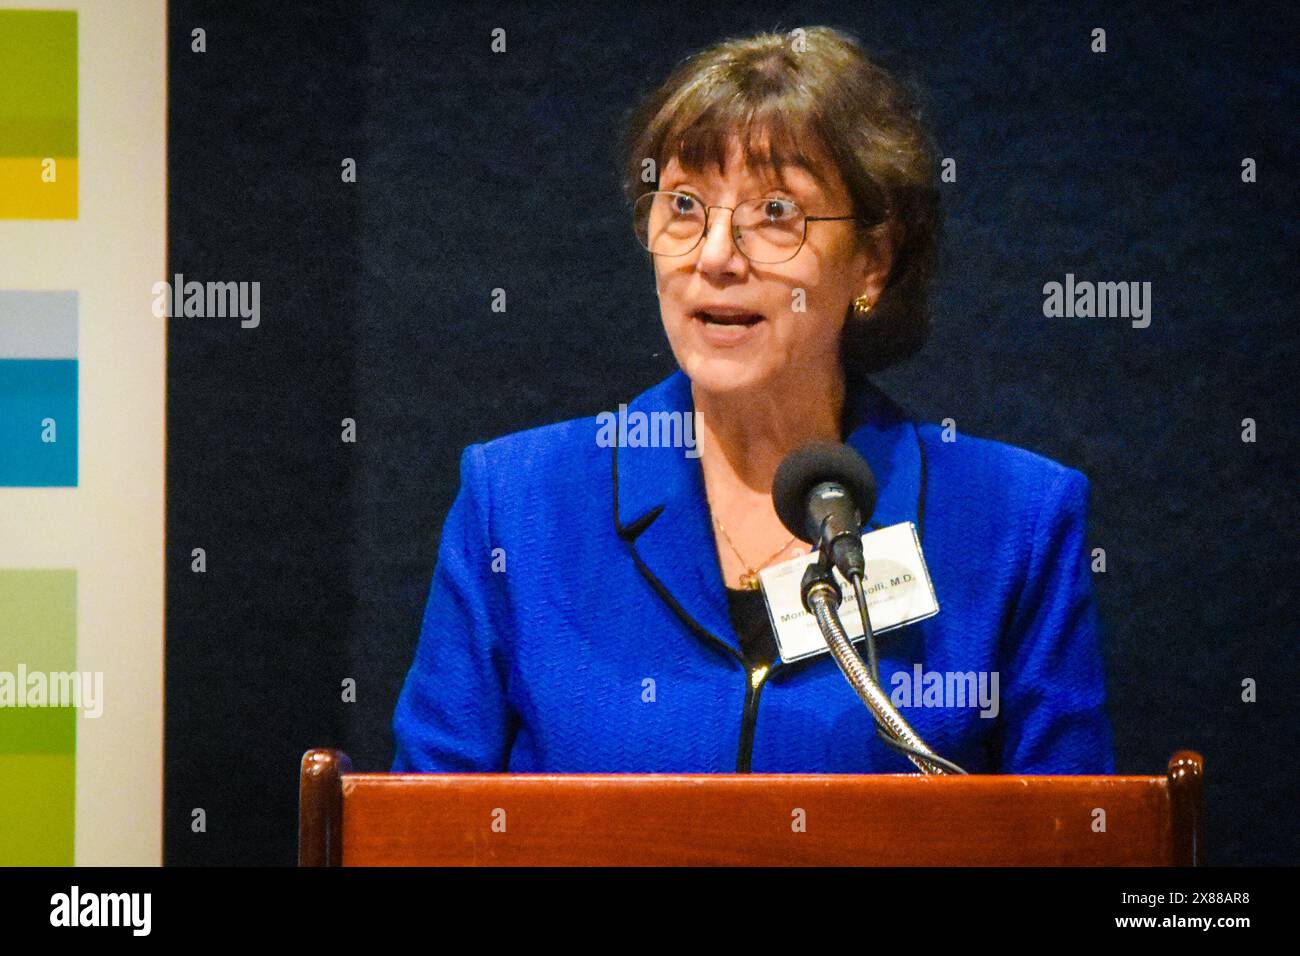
x,y
38,619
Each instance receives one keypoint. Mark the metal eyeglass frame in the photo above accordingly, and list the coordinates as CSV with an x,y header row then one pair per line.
x,y
735,230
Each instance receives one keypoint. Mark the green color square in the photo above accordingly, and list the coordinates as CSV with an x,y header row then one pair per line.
x,y
38,83
38,809
38,730
38,628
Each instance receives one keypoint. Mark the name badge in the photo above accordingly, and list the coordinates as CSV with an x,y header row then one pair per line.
x,y
898,588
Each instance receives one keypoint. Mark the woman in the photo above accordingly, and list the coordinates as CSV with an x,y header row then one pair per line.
x,y
592,606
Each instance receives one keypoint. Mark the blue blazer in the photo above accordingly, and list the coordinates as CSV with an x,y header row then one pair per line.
x,y
578,621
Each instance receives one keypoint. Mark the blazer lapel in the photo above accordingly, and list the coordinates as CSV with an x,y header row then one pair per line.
x,y
662,512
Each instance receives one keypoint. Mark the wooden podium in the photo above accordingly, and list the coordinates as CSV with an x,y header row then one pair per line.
x,y
381,819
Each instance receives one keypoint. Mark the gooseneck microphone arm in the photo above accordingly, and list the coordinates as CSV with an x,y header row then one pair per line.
x,y
821,597
873,667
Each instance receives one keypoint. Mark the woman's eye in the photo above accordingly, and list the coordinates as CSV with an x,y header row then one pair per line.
x,y
779,210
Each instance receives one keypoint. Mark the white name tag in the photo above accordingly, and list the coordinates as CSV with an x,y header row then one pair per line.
x,y
898,589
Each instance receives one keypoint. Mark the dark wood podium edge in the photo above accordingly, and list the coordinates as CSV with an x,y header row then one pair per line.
x,y
1186,799
320,807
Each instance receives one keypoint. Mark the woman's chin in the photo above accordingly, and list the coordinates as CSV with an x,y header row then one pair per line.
x,y
722,374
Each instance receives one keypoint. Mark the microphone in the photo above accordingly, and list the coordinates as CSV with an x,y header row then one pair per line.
x,y
824,492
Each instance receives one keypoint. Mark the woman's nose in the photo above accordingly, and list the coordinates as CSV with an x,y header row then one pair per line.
x,y
719,248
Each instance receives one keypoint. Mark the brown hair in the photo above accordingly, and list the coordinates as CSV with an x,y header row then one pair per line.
x,y
809,97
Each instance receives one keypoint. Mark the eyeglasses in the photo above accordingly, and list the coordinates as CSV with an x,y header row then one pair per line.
x,y
767,230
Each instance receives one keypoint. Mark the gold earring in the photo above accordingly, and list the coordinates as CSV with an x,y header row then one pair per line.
x,y
861,306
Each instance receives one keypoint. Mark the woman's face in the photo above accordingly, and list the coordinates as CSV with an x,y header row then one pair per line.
x,y
801,303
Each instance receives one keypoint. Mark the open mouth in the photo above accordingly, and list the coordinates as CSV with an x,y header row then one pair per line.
x,y
738,318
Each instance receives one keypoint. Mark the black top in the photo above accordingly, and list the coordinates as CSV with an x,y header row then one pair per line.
x,y
753,626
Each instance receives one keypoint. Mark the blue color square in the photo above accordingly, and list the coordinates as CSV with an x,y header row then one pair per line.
x,y
32,391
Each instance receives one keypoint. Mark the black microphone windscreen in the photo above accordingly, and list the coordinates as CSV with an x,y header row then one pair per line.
x,y
807,467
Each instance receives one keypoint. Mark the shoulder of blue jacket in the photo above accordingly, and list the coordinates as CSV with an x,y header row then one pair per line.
x,y
989,465
550,457
570,452
992,494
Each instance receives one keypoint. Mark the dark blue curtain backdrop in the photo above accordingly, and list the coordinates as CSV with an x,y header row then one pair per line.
x,y
478,171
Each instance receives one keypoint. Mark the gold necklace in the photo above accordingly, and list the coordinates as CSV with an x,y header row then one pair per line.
x,y
749,580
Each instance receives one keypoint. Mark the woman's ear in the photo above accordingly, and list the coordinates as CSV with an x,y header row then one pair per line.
x,y
879,246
